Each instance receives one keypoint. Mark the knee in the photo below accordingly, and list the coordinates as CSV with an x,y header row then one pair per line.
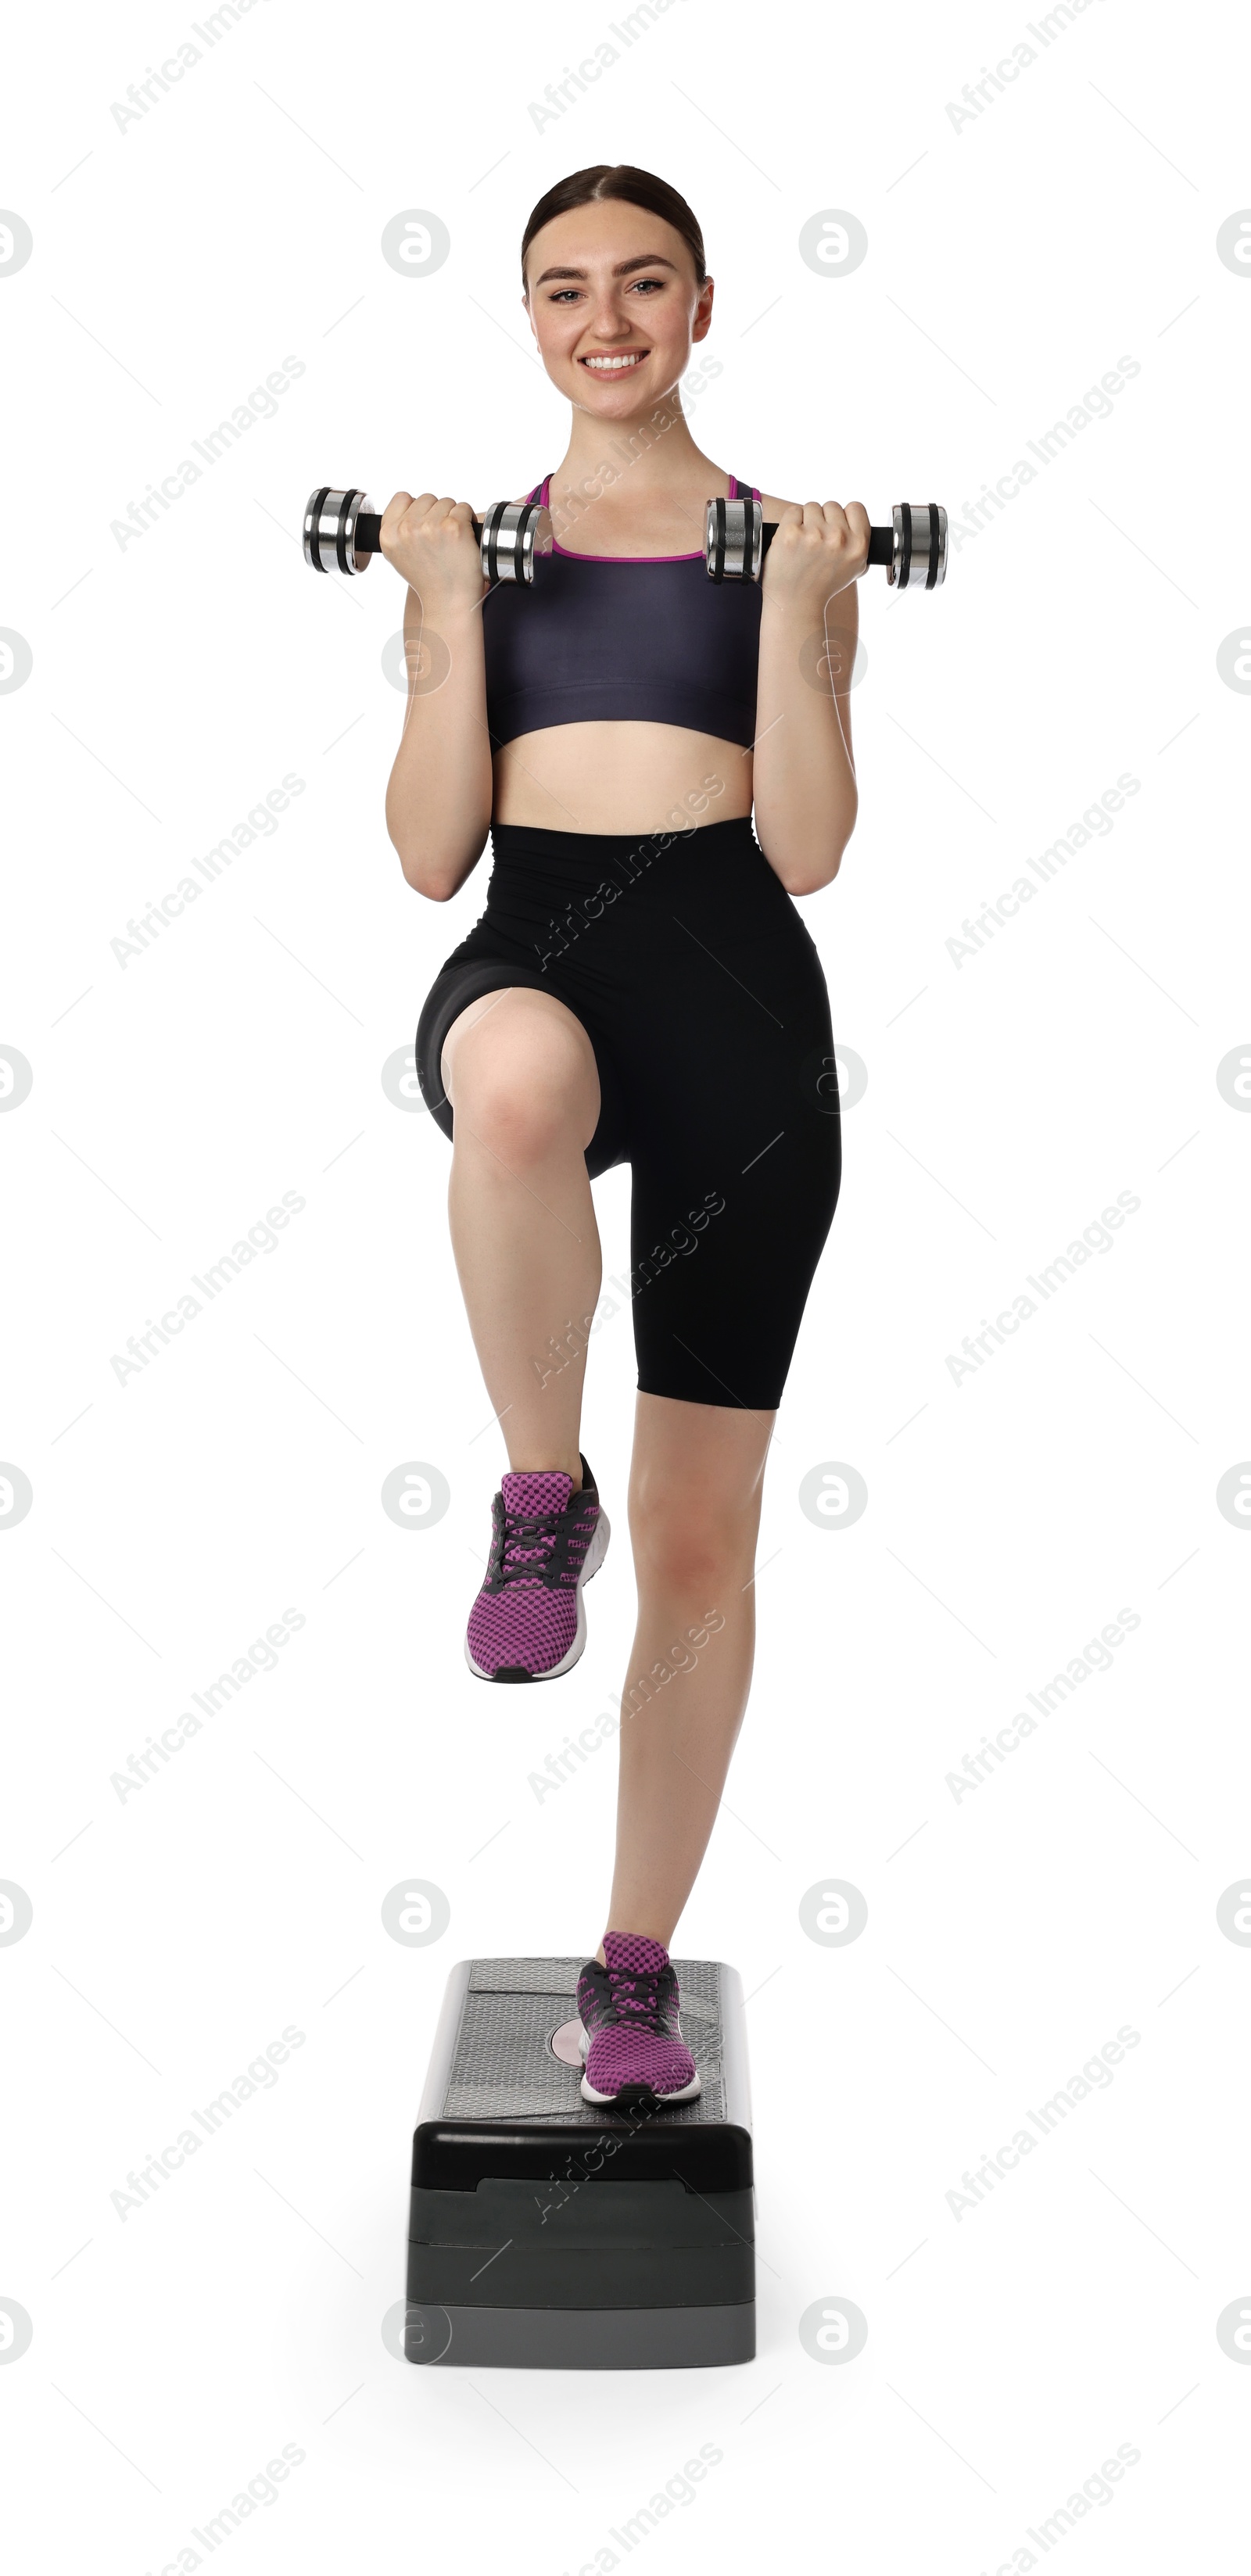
x,y
699,1544
522,1102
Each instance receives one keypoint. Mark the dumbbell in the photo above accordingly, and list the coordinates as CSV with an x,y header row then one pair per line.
x,y
342,532
737,537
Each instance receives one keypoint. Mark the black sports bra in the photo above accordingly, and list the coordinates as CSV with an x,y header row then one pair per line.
x,y
647,637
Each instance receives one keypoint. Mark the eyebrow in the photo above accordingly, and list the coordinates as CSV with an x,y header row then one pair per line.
x,y
650,259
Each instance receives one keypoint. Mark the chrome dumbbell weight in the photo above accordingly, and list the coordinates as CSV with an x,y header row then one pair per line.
x,y
737,537
343,533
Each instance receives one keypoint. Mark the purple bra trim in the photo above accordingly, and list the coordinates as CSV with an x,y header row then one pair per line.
x,y
540,493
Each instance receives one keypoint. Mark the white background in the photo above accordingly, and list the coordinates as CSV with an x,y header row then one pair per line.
x,y
1012,1931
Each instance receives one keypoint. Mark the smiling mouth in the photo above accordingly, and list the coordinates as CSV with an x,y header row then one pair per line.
x,y
620,363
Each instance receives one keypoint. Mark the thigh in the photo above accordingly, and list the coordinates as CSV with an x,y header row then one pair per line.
x,y
516,1043
737,1164
697,1462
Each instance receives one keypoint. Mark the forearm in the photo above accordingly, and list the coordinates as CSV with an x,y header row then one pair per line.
x,y
438,805
804,777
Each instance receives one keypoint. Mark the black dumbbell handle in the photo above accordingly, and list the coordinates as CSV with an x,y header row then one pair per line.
x,y
881,541
368,538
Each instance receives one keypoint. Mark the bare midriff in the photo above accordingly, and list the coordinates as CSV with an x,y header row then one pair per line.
x,y
620,777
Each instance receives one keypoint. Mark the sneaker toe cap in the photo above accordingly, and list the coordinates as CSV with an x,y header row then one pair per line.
x,y
525,1625
618,2057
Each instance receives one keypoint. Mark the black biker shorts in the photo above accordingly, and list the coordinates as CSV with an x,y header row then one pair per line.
x,y
703,998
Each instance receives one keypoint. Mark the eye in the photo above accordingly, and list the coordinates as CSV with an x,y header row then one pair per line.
x,y
657,282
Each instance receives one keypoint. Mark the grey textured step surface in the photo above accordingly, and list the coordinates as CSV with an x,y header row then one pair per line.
x,y
503,2067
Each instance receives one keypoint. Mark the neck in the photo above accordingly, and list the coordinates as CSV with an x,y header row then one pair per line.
x,y
651,454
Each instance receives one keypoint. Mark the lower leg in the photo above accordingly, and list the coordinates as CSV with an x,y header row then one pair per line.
x,y
520,1073
695,1498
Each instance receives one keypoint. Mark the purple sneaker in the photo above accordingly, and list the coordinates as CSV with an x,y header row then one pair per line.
x,y
631,2040
528,1623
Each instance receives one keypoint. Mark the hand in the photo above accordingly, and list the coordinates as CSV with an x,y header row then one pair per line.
x,y
432,546
818,549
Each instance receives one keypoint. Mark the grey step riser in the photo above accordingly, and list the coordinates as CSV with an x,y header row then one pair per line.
x,y
597,2338
593,2215
529,2277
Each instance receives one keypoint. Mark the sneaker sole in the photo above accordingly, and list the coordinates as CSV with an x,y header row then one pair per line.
x,y
634,2093
595,1555
642,2094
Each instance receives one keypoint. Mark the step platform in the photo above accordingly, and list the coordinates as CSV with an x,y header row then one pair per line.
x,y
549,2233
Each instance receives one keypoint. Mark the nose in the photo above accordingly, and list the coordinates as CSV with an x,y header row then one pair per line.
x,y
606,323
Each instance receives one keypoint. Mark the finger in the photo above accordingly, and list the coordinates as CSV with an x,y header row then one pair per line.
x,y
411,519
857,518
395,509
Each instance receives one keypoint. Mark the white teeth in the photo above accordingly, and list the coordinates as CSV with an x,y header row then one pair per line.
x,y
605,366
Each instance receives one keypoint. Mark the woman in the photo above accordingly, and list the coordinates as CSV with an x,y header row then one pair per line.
x,y
640,987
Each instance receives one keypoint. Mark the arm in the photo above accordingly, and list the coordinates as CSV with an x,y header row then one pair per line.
x,y
439,792
804,774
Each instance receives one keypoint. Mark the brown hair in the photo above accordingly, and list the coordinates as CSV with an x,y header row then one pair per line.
x,y
632,188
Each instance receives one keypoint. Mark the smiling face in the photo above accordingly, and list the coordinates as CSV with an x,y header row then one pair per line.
x,y
614,306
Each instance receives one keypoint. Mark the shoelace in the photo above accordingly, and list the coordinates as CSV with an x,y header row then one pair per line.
x,y
525,1544
646,2007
